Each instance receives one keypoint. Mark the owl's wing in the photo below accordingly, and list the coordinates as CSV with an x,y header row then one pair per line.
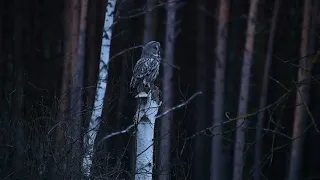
x,y
141,69
154,64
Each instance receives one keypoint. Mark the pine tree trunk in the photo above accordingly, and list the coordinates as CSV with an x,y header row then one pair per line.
x,y
93,56
302,97
17,102
264,92
63,99
150,20
200,115
244,92
166,122
219,90
76,99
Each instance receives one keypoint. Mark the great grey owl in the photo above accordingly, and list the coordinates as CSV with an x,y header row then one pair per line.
x,y
146,69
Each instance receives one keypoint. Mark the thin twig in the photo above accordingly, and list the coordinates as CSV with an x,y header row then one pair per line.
x,y
128,49
178,106
307,108
172,65
227,114
116,133
159,116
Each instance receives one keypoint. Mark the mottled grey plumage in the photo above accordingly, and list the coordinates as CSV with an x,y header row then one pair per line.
x,y
146,69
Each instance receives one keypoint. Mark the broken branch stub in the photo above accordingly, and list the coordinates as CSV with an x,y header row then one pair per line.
x,y
147,103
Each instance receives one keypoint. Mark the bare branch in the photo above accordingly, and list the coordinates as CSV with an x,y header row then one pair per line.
x,y
126,50
227,114
178,106
159,116
307,108
116,133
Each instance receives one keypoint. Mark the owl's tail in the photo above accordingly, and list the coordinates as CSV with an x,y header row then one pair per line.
x,y
136,87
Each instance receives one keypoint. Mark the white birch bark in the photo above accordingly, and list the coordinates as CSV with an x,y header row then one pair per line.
x,y
146,116
94,124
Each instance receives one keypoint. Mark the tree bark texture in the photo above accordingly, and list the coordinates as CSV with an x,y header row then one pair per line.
x,y
64,92
92,64
219,89
264,92
166,122
150,20
244,92
76,99
147,109
302,97
200,115
17,104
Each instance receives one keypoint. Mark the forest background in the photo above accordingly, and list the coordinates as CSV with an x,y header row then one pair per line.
x,y
240,79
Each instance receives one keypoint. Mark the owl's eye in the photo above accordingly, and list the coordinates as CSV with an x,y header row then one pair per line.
x,y
155,48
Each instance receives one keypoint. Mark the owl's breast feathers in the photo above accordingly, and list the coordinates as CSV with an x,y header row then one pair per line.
x,y
145,71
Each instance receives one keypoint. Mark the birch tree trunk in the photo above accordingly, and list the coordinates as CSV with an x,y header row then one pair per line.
x,y
264,92
302,97
244,92
163,167
219,86
76,100
148,35
147,110
94,124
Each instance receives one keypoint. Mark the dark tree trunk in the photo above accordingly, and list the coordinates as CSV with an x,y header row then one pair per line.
x,y
94,42
302,97
2,57
150,20
219,90
74,35
244,92
164,165
62,117
264,92
17,104
200,114
76,98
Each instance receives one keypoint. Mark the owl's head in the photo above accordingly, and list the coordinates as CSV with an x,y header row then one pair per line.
x,y
151,49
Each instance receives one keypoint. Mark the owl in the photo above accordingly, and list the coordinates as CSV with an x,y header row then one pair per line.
x,y
146,69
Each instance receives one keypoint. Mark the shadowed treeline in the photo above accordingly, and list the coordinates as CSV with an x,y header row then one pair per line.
x,y
39,40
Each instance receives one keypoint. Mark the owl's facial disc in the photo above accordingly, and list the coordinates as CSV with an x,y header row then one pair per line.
x,y
156,49
152,48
